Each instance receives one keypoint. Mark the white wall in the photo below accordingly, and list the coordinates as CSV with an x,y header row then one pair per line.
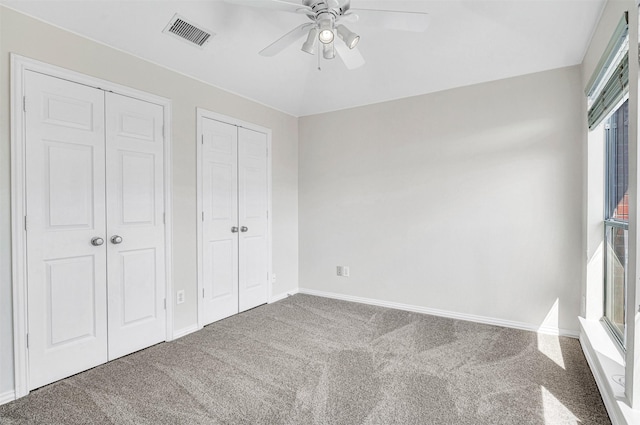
x,y
468,200
34,39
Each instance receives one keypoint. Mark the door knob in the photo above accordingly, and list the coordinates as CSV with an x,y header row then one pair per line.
x,y
97,241
244,228
115,239
234,229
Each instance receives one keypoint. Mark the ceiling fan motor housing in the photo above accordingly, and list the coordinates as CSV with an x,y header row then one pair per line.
x,y
333,7
325,13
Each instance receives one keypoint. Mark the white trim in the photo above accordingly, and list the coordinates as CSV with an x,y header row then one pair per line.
x,y
7,397
168,218
605,362
19,65
200,114
18,234
282,296
25,64
199,212
444,313
185,331
269,218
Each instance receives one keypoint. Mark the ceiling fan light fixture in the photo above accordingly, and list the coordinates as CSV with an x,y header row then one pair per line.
x,y
309,46
326,36
327,51
350,38
325,26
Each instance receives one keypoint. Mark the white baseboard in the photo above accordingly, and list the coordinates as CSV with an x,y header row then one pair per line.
x,y
7,396
444,313
276,298
185,331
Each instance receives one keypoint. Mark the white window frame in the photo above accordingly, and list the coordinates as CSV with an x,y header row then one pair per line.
x,y
618,340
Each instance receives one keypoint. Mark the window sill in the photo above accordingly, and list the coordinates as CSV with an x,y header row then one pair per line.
x,y
607,365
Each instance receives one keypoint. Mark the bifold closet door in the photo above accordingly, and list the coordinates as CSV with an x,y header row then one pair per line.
x,y
219,220
65,203
252,218
135,224
95,228
235,204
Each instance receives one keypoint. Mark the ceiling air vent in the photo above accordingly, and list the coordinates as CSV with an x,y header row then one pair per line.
x,y
184,30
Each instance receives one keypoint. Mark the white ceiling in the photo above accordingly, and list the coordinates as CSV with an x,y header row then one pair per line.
x,y
468,42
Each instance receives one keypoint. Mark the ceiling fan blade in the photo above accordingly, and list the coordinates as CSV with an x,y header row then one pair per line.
x,y
349,17
286,40
351,57
392,19
274,4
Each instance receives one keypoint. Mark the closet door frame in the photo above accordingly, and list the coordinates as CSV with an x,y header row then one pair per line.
x,y
201,114
19,66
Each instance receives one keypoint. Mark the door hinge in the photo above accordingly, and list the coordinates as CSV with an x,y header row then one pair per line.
x,y
164,218
24,103
202,215
163,135
165,303
25,223
27,341
202,292
202,139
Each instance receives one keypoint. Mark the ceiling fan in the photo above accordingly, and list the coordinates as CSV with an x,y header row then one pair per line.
x,y
327,17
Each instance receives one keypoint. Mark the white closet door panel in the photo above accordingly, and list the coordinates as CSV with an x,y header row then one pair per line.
x,y
220,208
252,213
136,284
65,200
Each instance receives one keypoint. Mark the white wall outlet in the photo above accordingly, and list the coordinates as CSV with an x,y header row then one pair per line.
x,y
345,271
339,270
179,297
273,278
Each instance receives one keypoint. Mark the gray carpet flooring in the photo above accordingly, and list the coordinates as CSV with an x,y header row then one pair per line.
x,y
309,360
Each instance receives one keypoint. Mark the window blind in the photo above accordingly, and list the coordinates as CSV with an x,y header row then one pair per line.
x,y
612,93
605,95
